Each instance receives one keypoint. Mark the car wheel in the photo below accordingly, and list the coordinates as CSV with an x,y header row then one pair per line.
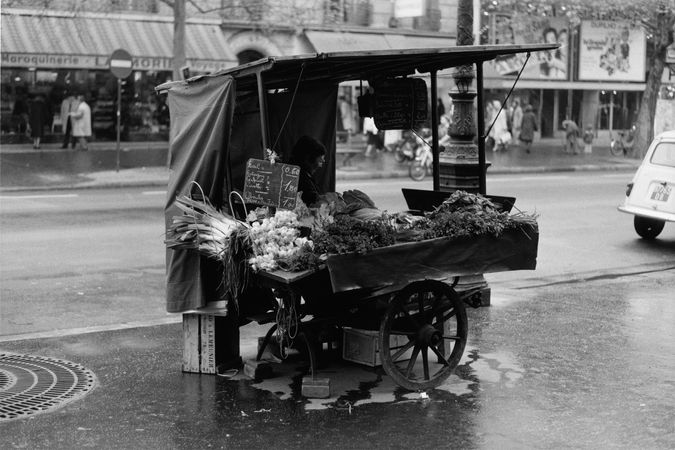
x,y
648,228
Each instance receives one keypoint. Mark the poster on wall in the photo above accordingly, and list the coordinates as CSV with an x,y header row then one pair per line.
x,y
548,65
611,51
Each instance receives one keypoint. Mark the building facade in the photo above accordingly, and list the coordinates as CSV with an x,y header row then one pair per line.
x,y
64,46
596,78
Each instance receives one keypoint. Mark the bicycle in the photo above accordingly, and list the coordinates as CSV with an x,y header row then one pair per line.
x,y
624,143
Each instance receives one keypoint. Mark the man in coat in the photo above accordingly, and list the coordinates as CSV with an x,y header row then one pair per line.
x,y
81,120
527,128
68,105
571,135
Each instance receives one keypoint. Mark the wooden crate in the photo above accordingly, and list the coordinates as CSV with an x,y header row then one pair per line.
x,y
209,341
363,346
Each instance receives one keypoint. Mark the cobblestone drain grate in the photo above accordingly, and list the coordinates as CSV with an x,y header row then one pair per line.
x,y
35,384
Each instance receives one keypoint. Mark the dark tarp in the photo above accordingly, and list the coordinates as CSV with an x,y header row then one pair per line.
x,y
313,113
201,119
440,259
212,137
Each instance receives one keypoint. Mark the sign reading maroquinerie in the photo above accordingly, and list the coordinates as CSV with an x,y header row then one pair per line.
x,y
100,62
612,51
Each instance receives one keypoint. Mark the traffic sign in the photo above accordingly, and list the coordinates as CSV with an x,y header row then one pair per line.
x,y
121,63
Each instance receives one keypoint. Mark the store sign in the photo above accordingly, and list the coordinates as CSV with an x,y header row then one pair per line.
x,y
545,65
409,8
612,51
100,62
49,61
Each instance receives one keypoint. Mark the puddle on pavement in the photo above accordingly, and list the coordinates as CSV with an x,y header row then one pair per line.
x,y
352,386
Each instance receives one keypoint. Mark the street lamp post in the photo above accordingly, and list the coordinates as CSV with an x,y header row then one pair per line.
x,y
459,163
462,165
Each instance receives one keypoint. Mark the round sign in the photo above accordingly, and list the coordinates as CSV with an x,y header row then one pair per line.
x,y
121,63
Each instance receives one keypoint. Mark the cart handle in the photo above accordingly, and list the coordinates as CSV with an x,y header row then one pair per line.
x,y
243,203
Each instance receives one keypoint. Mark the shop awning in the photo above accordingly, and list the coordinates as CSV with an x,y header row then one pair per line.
x,y
506,83
58,40
338,41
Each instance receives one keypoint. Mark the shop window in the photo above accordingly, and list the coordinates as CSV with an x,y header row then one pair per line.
x,y
358,12
618,110
432,20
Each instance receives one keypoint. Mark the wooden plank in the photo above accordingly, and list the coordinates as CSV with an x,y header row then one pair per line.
x,y
191,343
207,343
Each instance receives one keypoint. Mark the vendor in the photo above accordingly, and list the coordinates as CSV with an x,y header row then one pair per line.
x,y
310,155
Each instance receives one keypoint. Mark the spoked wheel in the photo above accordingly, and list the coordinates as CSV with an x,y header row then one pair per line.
x,y
423,334
616,148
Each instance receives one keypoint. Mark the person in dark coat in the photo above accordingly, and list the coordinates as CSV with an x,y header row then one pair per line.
x,y
309,154
38,118
527,128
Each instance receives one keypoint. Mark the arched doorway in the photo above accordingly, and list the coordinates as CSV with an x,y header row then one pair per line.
x,y
247,56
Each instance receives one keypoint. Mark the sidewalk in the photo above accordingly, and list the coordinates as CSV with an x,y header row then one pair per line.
x,y
144,164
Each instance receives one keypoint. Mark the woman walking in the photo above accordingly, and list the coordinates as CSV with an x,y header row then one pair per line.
x,y
527,128
81,119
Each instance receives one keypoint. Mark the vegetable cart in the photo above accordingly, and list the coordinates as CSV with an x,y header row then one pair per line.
x,y
406,292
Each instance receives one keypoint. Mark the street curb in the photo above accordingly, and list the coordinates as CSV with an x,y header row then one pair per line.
x,y
339,176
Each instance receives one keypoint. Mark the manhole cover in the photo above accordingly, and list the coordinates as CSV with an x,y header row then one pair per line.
x,y
36,384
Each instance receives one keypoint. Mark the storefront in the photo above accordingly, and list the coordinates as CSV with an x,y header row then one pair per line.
x,y
596,77
54,54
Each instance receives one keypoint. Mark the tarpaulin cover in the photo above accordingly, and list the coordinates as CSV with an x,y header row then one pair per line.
x,y
312,112
201,119
442,258
214,131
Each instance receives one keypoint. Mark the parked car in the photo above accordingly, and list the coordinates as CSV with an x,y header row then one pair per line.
x,y
650,197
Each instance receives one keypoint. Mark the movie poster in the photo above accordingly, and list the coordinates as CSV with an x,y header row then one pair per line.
x,y
548,65
611,51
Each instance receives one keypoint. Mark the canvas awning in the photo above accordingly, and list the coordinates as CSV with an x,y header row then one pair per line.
x,y
279,72
85,41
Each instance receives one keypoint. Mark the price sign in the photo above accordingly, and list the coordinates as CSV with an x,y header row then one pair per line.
x,y
400,104
270,184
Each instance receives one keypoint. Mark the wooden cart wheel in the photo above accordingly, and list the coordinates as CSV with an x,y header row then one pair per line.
x,y
423,334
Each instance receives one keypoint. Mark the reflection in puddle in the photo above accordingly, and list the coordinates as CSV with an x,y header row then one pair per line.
x,y
353,385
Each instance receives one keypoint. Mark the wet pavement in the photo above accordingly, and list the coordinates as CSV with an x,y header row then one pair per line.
x,y
144,164
551,364
572,365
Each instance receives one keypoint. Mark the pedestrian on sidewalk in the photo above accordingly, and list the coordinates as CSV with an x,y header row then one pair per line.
x,y
516,119
500,128
68,105
346,116
81,122
374,141
20,112
527,128
38,117
588,140
571,136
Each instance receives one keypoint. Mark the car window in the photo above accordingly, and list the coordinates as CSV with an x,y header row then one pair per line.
x,y
664,154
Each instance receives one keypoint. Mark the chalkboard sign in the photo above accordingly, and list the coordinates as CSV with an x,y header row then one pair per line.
x,y
270,184
400,104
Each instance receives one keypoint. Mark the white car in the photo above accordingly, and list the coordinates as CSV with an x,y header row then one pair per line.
x,y
650,197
